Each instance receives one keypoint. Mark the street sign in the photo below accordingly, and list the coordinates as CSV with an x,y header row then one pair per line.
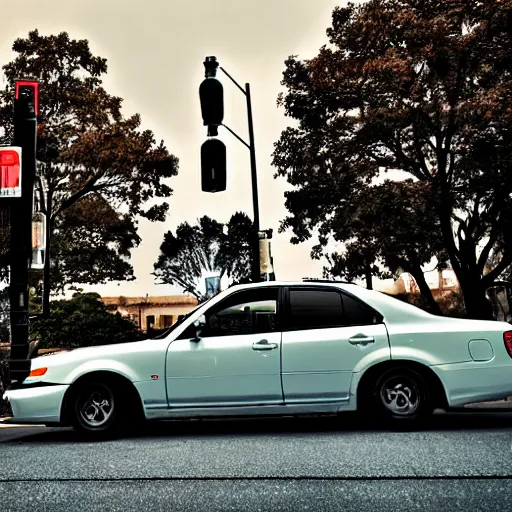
x,y
38,240
212,286
10,171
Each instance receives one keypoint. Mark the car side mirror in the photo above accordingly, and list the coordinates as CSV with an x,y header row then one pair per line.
x,y
199,325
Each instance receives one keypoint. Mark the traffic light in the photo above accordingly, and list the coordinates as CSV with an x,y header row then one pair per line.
x,y
28,92
211,95
213,166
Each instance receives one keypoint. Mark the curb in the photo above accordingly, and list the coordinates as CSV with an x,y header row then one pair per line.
x,y
5,423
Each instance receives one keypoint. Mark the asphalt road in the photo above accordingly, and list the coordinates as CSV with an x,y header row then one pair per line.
x,y
457,462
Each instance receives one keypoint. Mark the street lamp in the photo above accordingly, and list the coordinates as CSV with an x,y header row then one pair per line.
x,y
212,110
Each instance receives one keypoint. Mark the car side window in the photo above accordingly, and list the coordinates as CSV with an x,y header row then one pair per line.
x,y
321,308
357,312
247,312
314,309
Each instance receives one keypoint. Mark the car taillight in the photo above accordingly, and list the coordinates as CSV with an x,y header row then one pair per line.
x,y
507,338
39,372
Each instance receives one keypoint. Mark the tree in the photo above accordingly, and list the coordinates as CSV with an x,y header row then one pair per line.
x,y
81,322
88,156
419,86
91,244
207,246
386,223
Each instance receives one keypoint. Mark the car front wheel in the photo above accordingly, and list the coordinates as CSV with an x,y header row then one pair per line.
x,y
97,409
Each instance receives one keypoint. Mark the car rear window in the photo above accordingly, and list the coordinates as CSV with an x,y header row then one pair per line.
x,y
313,309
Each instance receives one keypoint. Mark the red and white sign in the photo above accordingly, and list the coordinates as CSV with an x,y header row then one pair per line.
x,y
10,171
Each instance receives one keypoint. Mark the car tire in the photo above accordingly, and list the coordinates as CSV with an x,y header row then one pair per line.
x,y
400,397
97,408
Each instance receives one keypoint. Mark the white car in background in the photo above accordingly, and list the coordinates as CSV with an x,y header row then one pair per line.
x,y
272,349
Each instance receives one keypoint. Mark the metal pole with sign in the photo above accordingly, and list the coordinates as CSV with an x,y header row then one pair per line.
x,y
20,254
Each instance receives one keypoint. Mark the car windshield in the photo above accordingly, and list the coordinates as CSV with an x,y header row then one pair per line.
x,y
181,319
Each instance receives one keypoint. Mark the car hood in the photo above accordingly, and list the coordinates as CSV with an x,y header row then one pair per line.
x,y
84,353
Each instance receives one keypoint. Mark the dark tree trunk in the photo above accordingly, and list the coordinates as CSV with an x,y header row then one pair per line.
x,y
368,276
414,268
426,292
477,305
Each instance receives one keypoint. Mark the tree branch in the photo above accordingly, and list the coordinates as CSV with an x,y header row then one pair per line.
x,y
491,276
71,200
419,154
484,255
408,163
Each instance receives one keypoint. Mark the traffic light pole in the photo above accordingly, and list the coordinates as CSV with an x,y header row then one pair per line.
x,y
255,273
256,276
25,129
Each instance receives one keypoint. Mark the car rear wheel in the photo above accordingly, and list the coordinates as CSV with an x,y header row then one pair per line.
x,y
400,395
97,408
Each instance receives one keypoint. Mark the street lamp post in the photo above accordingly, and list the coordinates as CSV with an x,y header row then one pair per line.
x,y
216,111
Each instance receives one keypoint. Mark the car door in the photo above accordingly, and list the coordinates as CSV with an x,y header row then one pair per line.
x,y
236,361
326,334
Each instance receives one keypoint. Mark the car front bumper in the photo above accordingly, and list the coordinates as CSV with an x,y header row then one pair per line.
x,y
37,404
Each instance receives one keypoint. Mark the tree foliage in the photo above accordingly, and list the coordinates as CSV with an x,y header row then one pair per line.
x,y
208,246
419,86
385,224
91,244
97,170
81,322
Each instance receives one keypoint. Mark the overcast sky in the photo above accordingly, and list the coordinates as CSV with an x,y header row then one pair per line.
x,y
155,50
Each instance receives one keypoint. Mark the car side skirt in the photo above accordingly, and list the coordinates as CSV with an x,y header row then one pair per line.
x,y
155,413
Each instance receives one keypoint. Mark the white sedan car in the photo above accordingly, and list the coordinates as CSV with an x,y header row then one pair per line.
x,y
272,349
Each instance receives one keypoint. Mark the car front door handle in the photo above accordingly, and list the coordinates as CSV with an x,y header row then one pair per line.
x,y
361,340
264,345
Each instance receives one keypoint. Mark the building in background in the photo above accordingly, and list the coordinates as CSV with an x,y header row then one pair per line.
x,y
156,312
441,282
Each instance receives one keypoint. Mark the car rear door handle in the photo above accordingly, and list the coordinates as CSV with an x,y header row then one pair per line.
x,y
264,345
361,340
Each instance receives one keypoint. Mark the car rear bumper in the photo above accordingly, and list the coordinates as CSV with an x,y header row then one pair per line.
x,y
37,404
471,382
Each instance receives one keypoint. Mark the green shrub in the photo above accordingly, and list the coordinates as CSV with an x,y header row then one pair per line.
x,y
82,321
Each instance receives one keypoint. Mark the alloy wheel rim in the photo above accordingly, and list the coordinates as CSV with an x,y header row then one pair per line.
x,y
400,395
96,406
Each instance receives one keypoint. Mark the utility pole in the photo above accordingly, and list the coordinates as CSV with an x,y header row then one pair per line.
x,y
25,134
